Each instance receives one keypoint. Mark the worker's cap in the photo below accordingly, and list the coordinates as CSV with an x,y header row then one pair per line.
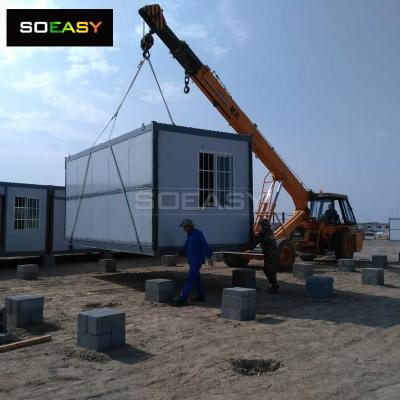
x,y
186,222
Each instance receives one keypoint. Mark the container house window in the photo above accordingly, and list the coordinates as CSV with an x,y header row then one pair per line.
x,y
215,180
26,213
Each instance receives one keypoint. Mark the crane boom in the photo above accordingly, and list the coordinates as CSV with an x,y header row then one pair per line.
x,y
219,96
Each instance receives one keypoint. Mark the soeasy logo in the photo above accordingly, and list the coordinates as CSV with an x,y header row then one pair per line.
x,y
86,27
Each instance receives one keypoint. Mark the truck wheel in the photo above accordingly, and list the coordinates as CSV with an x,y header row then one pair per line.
x,y
343,245
286,255
235,260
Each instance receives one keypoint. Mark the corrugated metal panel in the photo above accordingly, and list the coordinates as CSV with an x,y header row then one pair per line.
x,y
394,228
104,220
104,215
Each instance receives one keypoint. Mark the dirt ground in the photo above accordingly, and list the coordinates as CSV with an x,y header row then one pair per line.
x,y
343,348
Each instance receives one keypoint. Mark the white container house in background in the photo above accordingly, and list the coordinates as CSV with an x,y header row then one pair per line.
x,y
394,228
32,219
189,173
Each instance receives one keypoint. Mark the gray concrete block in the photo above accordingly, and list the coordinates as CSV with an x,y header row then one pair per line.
x,y
27,271
218,257
94,342
379,261
101,321
168,260
346,265
160,290
35,318
303,271
82,322
243,314
3,319
237,302
373,276
24,303
243,277
4,337
18,320
239,291
48,261
118,337
319,287
108,264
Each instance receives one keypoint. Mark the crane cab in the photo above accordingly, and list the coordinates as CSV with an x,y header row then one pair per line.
x,y
331,226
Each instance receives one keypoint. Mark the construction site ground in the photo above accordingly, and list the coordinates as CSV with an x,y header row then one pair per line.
x,y
346,347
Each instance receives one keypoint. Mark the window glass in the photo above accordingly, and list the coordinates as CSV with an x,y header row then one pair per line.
x,y
215,180
26,213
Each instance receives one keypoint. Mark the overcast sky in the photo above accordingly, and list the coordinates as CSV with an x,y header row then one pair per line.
x,y
320,79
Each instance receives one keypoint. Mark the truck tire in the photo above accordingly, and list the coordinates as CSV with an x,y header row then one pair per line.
x,y
343,245
235,261
286,255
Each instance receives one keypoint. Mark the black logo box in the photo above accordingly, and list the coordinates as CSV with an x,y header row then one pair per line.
x,y
104,36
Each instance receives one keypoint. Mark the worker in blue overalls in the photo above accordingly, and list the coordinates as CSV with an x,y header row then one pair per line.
x,y
196,249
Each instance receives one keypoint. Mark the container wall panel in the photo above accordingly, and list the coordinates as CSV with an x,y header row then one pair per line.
x,y
29,239
178,176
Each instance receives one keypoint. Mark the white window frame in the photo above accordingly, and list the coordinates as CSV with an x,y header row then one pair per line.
x,y
215,171
24,223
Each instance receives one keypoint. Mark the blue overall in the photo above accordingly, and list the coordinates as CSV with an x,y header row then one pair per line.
x,y
196,248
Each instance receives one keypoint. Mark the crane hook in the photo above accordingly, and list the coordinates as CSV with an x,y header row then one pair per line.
x,y
146,43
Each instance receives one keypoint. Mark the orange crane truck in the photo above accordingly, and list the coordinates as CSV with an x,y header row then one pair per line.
x,y
321,222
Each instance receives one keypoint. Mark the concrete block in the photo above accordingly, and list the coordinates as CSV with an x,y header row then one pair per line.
x,y
108,264
379,261
237,302
244,314
27,271
118,338
319,287
373,276
346,265
101,329
4,337
94,342
48,261
303,271
35,318
218,257
24,310
18,320
101,320
239,291
3,319
243,277
168,260
160,290
82,322
24,303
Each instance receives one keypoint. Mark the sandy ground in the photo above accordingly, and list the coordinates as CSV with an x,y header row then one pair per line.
x,y
343,348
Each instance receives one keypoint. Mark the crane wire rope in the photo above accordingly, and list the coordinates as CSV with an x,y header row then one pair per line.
x,y
112,121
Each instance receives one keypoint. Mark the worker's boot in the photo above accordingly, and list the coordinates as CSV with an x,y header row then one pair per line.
x,y
272,280
179,302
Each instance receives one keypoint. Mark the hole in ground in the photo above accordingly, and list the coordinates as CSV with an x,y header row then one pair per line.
x,y
255,366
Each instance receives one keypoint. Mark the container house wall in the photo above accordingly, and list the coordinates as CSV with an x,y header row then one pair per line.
x,y
28,241
178,188
58,222
104,219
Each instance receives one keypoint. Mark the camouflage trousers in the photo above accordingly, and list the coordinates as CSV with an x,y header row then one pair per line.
x,y
270,269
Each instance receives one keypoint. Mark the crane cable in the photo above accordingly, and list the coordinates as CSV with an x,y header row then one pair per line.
x,y
113,120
